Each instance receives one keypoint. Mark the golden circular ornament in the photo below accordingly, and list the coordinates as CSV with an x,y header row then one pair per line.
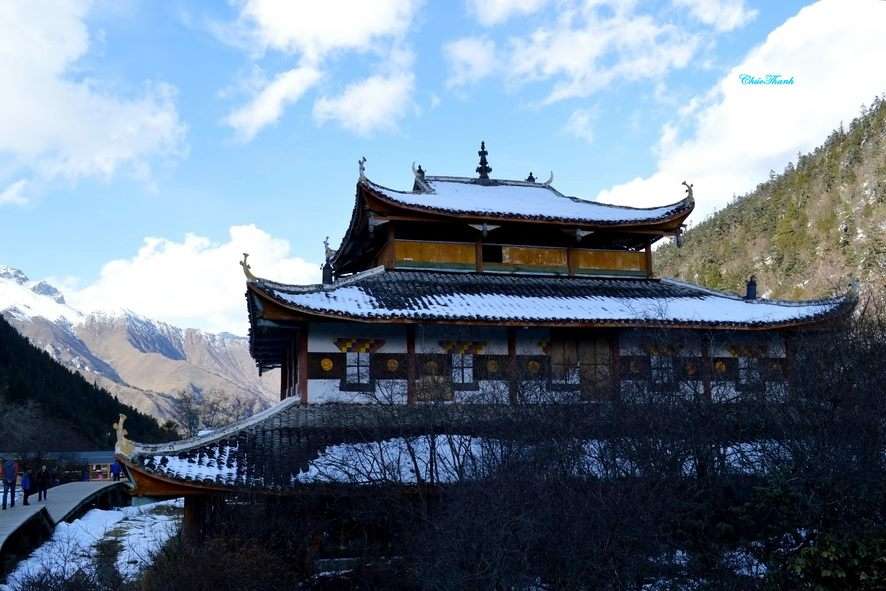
x,y
392,364
533,366
431,367
720,366
326,364
492,366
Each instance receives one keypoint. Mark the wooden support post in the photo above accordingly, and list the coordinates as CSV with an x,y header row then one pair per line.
x,y
284,373
194,518
478,254
512,365
410,364
707,368
649,260
614,368
301,352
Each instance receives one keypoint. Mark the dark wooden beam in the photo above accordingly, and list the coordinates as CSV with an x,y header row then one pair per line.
x,y
410,364
301,351
512,365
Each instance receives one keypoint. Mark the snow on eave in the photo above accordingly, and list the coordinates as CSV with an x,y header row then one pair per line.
x,y
670,209
215,435
835,300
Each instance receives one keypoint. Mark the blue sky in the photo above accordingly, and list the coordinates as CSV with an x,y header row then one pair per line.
x,y
148,143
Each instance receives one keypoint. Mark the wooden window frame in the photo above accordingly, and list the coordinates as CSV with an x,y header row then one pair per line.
x,y
456,364
350,386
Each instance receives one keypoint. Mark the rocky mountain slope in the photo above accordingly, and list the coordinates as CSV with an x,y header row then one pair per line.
x,y
804,232
145,363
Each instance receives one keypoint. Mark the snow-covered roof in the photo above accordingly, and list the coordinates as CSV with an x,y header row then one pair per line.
x,y
380,295
520,199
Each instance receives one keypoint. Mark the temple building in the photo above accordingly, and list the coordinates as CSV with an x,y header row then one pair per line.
x,y
491,292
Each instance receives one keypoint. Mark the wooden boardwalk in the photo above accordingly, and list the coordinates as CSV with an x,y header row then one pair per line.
x,y
62,502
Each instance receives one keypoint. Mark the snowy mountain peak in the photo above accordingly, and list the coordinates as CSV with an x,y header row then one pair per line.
x,y
13,274
45,289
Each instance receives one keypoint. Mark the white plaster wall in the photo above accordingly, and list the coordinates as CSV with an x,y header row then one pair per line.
x,y
528,339
427,338
386,391
322,336
774,343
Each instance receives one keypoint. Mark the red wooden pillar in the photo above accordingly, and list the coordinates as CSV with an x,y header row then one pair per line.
x,y
512,365
301,352
410,364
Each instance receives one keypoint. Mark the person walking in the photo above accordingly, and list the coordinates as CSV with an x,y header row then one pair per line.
x,y
44,479
26,485
10,475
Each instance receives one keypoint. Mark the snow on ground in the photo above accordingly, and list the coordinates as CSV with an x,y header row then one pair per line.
x,y
140,532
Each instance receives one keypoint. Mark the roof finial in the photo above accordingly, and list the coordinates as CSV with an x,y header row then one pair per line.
x,y
361,163
689,191
484,169
420,184
530,178
247,269
550,180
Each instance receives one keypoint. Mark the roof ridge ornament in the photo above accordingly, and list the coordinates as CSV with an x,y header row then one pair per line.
x,y
530,178
550,180
420,183
247,269
123,446
361,165
484,169
689,194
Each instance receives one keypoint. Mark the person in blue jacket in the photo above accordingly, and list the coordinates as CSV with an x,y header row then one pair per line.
x,y
26,485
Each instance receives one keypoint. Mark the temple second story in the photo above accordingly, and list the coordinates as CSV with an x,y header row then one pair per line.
x,y
483,224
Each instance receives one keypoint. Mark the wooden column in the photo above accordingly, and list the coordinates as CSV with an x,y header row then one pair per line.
x,y
649,260
512,365
707,368
284,373
194,518
478,253
410,364
615,370
301,352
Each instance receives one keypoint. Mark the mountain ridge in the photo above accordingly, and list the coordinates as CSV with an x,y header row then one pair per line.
x,y
146,363
804,233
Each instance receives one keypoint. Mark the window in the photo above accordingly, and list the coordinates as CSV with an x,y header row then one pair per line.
x,y
748,370
492,253
564,363
357,373
661,368
595,358
462,370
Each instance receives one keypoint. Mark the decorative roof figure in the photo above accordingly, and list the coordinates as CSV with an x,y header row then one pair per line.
x,y
247,269
361,164
484,169
530,178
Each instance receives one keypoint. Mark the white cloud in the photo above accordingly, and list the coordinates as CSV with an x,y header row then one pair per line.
x,y
723,15
14,193
493,12
315,31
195,282
726,141
267,106
470,59
373,104
581,124
597,44
56,124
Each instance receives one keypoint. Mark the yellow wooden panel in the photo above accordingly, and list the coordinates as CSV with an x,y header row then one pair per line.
x,y
609,260
414,253
533,256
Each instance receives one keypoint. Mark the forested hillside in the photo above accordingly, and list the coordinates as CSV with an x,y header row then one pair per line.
x,y
46,407
804,232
